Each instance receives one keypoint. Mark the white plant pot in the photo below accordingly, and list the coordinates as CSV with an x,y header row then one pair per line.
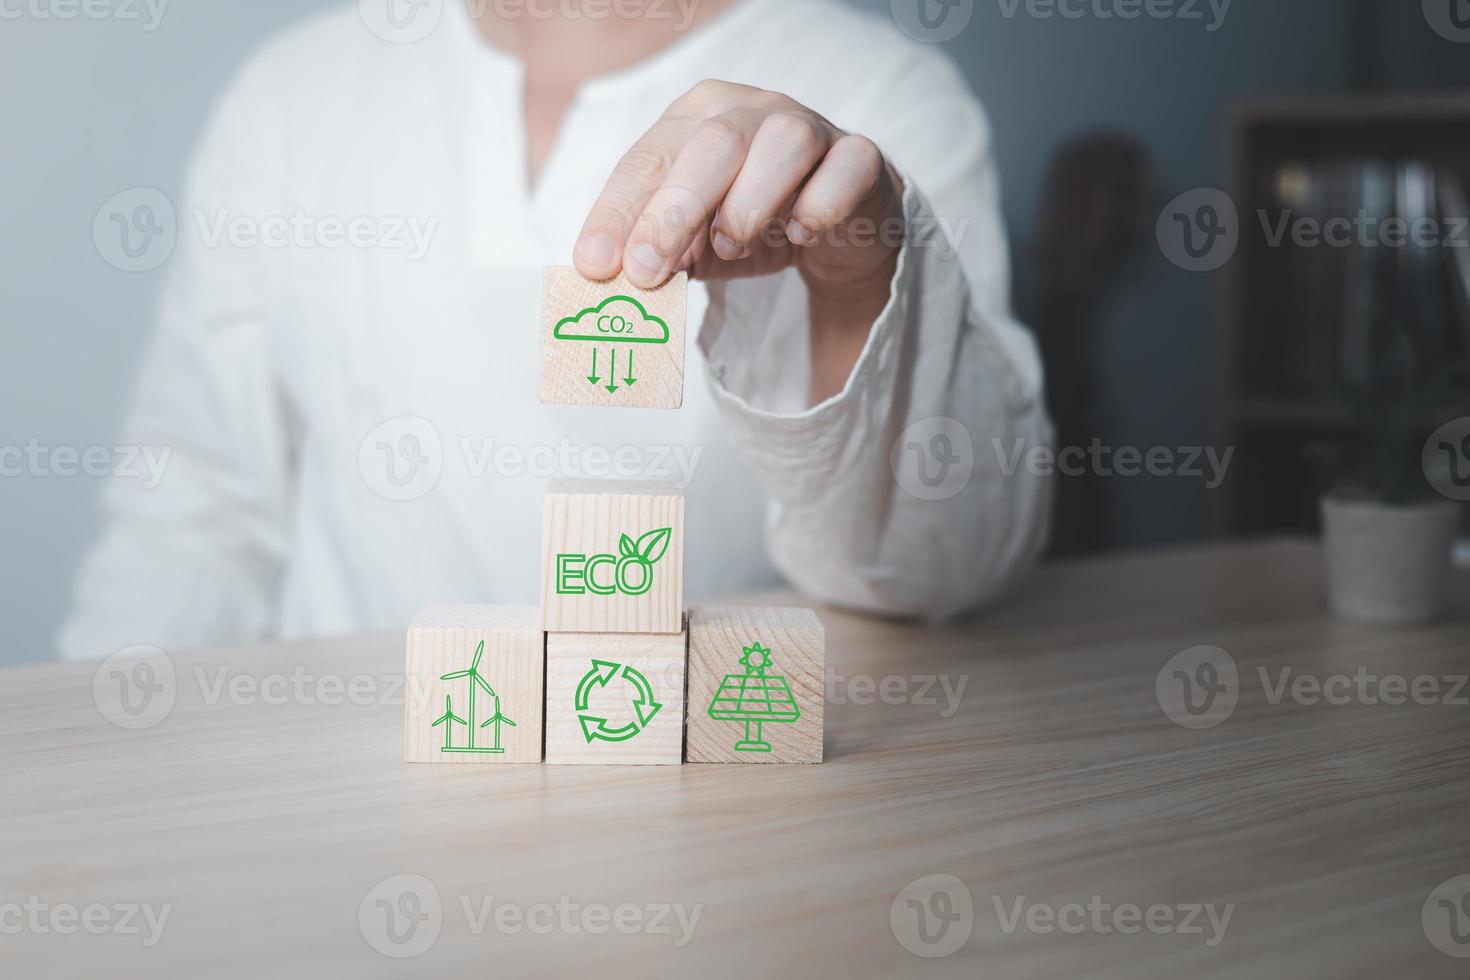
x,y
1386,563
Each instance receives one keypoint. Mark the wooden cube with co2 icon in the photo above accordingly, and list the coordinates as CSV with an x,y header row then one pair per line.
x,y
612,557
612,344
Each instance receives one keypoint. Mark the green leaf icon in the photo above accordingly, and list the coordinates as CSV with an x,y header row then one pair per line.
x,y
653,544
625,546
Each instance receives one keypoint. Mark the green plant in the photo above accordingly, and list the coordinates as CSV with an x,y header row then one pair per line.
x,y
1388,414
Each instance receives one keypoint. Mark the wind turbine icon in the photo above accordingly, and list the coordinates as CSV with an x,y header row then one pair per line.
x,y
476,681
447,719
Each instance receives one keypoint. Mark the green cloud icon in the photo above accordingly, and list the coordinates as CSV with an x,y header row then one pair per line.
x,y
617,319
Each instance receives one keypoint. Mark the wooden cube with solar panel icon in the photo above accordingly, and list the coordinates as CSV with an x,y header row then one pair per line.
x,y
756,685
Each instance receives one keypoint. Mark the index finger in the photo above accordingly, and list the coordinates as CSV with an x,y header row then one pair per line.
x,y
599,250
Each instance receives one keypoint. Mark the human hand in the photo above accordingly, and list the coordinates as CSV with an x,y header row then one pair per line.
x,y
734,181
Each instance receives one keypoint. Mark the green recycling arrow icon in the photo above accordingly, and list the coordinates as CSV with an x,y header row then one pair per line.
x,y
644,706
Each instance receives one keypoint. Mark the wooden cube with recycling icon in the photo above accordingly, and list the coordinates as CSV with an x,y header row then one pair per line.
x,y
615,698
756,685
612,344
474,685
612,557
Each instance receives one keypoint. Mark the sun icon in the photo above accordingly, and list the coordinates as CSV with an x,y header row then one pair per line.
x,y
756,658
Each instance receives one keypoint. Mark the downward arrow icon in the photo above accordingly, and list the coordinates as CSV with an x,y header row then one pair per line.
x,y
593,376
612,373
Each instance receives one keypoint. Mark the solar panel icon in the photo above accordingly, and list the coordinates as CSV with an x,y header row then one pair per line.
x,y
754,698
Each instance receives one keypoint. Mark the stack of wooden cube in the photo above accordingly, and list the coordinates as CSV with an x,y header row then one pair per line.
x,y
612,669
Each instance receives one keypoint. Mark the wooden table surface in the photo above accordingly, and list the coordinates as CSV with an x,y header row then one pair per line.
x,y
271,816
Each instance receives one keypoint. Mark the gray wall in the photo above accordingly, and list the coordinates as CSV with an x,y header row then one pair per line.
x,y
93,107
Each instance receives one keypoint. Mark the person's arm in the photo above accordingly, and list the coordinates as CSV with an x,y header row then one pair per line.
x,y
875,384
196,558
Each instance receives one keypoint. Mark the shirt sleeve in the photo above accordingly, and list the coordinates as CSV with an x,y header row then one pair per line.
x,y
193,557
906,493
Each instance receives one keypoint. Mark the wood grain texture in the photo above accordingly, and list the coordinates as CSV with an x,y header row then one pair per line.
x,y
658,657
589,518
718,638
1052,775
442,639
567,365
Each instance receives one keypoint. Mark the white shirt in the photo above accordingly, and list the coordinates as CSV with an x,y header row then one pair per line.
x,y
284,376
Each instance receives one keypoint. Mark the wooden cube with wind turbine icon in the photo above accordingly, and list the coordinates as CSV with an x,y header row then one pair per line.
x,y
475,685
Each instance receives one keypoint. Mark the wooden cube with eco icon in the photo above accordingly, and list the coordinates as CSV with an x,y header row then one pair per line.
x,y
756,685
612,557
474,685
612,344
615,698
